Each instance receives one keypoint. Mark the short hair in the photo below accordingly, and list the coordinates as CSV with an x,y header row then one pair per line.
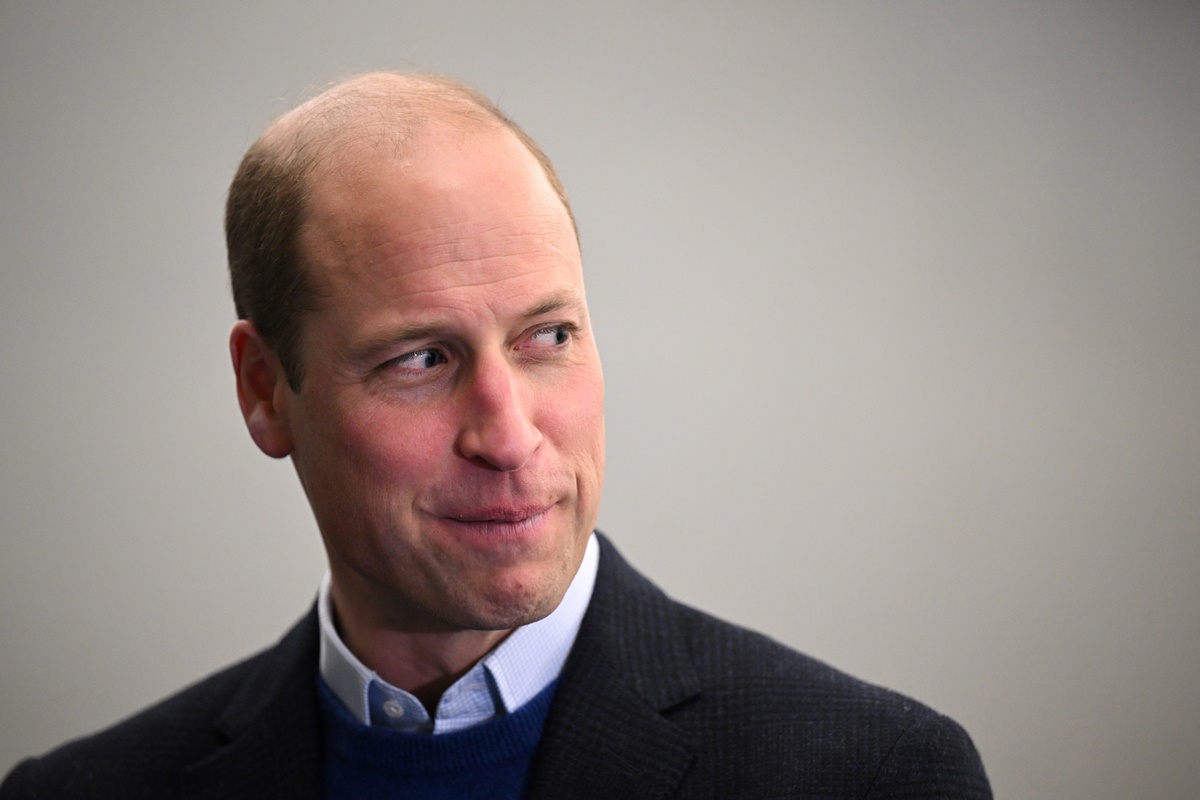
x,y
268,195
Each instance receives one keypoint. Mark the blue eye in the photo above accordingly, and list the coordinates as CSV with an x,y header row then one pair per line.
x,y
420,359
552,335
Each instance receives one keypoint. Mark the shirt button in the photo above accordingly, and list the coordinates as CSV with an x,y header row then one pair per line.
x,y
393,709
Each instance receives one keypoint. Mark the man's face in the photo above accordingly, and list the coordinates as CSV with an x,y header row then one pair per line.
x,y
449,431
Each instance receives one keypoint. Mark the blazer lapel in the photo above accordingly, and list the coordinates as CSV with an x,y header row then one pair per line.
x,y
270,730
607,735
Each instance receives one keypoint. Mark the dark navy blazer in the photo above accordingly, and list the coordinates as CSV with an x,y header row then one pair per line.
x,y
657,700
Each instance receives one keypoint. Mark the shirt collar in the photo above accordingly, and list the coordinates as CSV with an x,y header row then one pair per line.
x,y
512,674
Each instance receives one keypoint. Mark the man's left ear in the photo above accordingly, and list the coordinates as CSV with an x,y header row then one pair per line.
x,y
262,389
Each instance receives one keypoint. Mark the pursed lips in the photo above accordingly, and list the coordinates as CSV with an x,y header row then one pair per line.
x,y
487,526
499,514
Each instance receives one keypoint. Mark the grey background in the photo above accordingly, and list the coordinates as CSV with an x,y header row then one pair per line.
x,y
897,305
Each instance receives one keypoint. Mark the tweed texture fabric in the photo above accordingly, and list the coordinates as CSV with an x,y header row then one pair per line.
x,y
657,700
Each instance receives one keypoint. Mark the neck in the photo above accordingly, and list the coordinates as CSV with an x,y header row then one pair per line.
x,y
424,663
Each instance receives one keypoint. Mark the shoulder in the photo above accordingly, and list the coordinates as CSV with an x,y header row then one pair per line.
x,y
847,736
761,714
144,755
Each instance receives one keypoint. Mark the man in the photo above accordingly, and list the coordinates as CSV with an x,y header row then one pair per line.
x,y
414,335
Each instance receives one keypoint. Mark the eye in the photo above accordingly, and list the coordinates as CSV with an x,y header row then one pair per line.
x,y
427,358
551,336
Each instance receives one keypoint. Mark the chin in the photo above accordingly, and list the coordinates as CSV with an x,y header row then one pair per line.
x,y
505,607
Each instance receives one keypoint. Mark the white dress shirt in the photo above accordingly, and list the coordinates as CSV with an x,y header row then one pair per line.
x,y
508,677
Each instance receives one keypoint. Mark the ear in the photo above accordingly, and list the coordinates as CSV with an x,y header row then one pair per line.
x,y
262,388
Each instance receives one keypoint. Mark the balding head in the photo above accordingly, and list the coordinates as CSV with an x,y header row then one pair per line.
x,y
376,114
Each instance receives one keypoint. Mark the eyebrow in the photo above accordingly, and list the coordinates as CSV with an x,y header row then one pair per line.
x,y
555,302
548,305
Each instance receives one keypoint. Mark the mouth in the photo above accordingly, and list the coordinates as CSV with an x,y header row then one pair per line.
x,y
498,514
500,521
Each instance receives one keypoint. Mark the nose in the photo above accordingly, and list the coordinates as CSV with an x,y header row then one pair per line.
x,y
497,429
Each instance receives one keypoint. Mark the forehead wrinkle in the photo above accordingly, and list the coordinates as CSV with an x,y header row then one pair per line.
x,y
480,282
466,243
533,250
533,253
422,301
460,241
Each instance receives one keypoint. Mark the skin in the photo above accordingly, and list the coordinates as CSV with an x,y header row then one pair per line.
x,y
449,431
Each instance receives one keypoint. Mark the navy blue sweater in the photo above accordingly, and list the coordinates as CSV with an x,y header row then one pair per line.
x,y
489,760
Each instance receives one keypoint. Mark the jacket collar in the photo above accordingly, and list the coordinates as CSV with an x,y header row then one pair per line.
x,y
607,735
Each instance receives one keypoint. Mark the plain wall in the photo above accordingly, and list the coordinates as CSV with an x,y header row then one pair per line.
x,y
899,306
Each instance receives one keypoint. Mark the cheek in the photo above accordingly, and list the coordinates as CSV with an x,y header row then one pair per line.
x,y
396,447
575,420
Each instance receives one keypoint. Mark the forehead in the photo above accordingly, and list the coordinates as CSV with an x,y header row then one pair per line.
x,y
457,207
